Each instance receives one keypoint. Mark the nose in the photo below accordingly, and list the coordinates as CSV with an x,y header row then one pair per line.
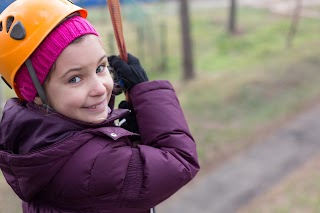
x,y
97,86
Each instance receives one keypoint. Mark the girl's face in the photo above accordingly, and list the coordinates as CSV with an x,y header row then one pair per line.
x,y
80,86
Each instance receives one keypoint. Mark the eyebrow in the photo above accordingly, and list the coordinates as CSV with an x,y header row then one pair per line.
x,y
80,68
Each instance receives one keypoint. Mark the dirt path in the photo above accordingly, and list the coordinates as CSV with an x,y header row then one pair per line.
x,y
245,176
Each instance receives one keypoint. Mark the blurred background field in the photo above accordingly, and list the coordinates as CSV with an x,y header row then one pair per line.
x,y
245,85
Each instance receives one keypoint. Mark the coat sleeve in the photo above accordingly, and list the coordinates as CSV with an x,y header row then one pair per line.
x,y
168,152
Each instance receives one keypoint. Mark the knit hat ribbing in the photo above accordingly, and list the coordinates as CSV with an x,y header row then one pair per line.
x,y
48,51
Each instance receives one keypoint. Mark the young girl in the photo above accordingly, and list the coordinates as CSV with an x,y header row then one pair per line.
x,y
60,149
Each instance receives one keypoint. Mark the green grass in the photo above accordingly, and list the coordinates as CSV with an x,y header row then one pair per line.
x,y
261,38
224,110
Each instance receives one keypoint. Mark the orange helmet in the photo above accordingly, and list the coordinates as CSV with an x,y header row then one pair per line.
x,y
23,26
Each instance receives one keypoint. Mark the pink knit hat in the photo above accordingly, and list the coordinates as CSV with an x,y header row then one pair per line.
x,y
48,51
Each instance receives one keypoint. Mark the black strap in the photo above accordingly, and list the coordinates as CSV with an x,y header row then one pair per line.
x,y
36,82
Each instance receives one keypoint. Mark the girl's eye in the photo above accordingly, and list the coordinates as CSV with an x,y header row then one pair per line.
x,y
75,80
100,68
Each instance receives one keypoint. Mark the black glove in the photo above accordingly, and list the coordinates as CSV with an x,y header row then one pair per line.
x,y
130,122
130,73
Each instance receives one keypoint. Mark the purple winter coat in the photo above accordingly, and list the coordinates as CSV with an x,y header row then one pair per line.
x,y
55,164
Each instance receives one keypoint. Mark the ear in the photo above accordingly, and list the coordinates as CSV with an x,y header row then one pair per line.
x,y
37,100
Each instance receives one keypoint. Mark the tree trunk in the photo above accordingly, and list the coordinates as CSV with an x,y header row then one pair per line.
x,y
188,70
232,24
294,23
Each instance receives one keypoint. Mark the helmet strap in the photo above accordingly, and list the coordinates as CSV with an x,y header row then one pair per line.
x,y
36,82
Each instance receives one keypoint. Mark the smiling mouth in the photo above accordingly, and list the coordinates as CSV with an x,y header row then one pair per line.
x,y
96,106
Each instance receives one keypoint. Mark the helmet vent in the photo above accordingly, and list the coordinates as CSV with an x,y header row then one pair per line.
x,y
1,26
18,32
10,20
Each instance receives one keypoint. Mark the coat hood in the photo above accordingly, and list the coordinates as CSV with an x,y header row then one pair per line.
x,y
34,141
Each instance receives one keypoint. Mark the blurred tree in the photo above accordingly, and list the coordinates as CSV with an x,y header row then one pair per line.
x,y
188,70
232,22
163,38
294,23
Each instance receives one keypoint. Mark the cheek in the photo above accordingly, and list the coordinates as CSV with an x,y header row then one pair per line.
x,y
68,105
62,98
109,83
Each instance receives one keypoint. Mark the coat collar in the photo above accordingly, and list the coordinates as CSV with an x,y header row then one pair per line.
x,y
27,126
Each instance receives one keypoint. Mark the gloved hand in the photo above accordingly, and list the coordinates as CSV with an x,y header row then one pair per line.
x,y
130,122
130,73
